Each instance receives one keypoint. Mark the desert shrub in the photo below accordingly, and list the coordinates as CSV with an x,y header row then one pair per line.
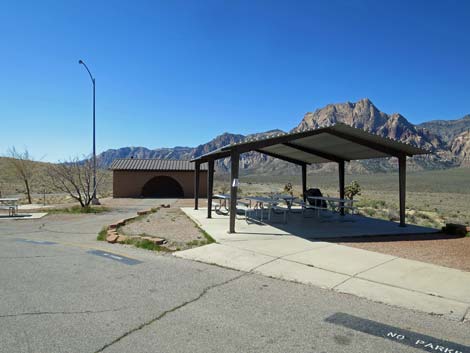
x,y
78,209
369,212
393,215
224,189
146,244
377,204
288,189
102,234
423,216
411,219
352,190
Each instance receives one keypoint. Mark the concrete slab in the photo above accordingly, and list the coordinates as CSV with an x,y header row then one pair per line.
x,y
217,226
404,298
34,206
341,259
296,252
279,247
326,226
292,271
23,216
225,256
422,277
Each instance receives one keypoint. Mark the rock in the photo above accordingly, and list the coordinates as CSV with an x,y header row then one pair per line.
x,y
112,237
461,148
455,229
121,223
156,241
143,213
122,239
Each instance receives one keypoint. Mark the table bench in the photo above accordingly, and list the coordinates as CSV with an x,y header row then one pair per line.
x,y
10,204
335,203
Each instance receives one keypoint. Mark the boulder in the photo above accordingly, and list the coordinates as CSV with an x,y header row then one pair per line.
x,y
112,237
156,241
455,229
121,223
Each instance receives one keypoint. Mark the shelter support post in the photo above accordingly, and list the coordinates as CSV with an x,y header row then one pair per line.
x,y
304,182
197,168
341,185
234,164
402,187
210,187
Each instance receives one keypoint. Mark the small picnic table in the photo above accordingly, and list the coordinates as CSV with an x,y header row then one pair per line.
x,y
335,203
260,201
222,203
10,204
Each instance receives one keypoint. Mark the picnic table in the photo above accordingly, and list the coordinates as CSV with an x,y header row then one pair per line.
x,y
222,203
10,204
288,199
271,202
335,203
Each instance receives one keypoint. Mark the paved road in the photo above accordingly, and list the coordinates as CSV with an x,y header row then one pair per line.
x,y
61,291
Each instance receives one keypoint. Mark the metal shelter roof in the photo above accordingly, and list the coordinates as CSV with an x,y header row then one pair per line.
x,y
335,143
151,164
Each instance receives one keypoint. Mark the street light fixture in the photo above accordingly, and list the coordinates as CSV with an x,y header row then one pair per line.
x,y
94,200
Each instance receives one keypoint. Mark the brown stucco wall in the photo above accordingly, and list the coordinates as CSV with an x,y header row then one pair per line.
x,y
130,183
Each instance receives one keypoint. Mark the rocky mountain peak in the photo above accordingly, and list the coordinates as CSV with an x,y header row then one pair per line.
x,y
460,147
365,115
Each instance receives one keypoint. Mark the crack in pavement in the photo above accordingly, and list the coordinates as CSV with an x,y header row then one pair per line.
x,y
464,318
169,311
69,232
34,313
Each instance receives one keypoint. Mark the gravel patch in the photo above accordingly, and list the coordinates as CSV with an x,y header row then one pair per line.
x,y
170,224
438,249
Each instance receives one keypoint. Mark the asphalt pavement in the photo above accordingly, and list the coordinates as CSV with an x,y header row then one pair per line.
x,y
62,291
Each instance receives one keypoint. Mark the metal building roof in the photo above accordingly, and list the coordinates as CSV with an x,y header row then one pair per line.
x,y
339,142
151,164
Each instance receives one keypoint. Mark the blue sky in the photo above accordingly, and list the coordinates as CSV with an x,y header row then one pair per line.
x,y
174,73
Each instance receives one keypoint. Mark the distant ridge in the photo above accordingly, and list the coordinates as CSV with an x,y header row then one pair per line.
x,y
447,130
449,140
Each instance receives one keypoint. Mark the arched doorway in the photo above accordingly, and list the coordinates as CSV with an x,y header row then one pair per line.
x,y
164,187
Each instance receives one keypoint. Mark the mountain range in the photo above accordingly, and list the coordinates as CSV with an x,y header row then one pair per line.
x,y
448,140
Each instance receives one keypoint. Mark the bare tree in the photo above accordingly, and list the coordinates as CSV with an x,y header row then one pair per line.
x,y
24,167
74,177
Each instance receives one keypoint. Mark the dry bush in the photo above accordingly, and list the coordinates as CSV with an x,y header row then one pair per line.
x,y
75,177
24,167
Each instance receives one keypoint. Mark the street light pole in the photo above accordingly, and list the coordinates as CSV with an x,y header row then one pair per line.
x,y
94,200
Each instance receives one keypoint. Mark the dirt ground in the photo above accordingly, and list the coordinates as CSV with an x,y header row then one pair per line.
x,y
438,249
170,224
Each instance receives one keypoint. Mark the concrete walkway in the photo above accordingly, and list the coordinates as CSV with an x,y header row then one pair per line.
x,y
378,277
23,216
